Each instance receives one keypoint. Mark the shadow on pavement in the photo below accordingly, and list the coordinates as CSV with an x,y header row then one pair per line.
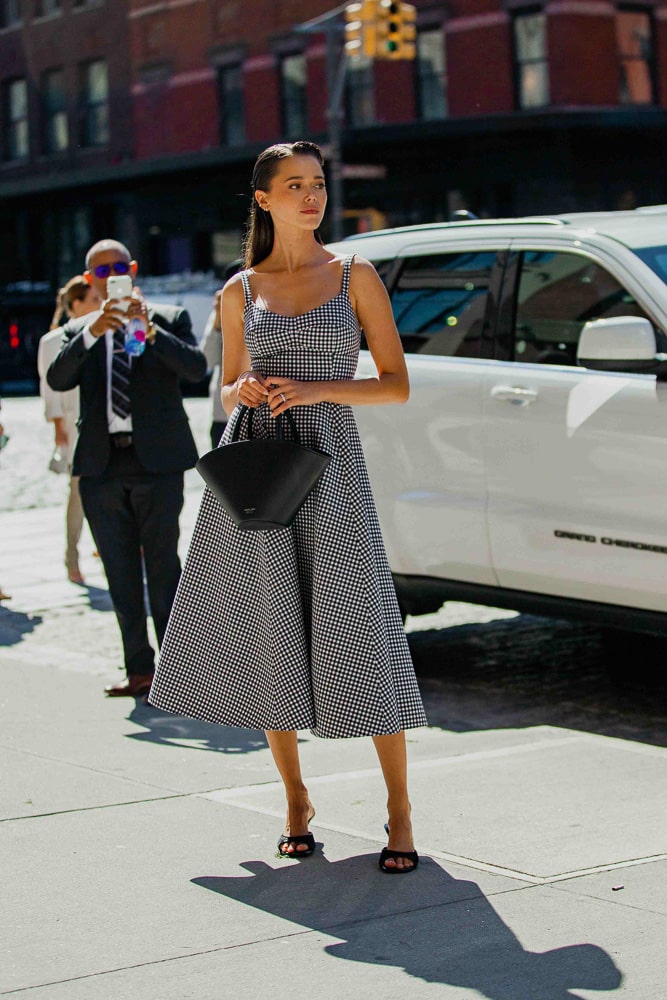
x,y
177,731
15,624
98,598
414,923
530,671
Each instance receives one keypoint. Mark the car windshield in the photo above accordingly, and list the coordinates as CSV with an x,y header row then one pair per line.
x,y
656,258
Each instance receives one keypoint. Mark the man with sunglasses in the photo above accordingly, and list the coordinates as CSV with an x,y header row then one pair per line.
x,y
134,445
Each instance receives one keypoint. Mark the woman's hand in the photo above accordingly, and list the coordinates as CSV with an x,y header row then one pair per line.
x,y
251,389
284,393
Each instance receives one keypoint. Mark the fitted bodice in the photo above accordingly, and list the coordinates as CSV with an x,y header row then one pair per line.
x,y
322,343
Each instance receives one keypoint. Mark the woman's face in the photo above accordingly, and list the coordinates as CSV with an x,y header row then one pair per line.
x,y
91,301
297,195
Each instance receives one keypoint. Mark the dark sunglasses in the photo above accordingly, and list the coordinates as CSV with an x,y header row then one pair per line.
x,y
118,267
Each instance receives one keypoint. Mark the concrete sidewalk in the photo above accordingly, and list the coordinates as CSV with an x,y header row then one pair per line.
x,y
139,848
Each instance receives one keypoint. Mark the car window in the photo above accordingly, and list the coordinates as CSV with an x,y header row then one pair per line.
x,y
557,293
384,268
655,257
439,302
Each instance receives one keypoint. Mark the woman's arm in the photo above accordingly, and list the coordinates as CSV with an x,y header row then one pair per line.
x,y
371,303
239,383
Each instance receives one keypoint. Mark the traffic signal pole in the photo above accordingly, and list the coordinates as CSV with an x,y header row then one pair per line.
x,y
331,26
376,29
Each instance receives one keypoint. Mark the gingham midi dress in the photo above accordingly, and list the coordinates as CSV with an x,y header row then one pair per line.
x,y
297,628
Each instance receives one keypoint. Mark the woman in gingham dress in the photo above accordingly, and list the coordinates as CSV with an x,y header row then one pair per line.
x,y
300,628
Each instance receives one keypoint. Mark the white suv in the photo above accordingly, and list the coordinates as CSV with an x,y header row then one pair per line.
x,y
529,468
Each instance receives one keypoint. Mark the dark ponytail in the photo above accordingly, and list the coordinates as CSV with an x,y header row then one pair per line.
x,y
258,242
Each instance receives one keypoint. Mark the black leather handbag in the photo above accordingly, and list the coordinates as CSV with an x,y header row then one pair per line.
x,y
262,482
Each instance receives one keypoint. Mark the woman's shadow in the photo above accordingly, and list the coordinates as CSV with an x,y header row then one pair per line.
x,y
435,927
170,730
15,624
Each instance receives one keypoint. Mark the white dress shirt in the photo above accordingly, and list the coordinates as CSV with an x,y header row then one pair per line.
x,y
117,425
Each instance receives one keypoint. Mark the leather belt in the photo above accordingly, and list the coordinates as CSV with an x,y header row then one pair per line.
x,y
121,440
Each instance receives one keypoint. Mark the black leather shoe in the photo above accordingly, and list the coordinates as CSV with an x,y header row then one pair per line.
x,y
134,686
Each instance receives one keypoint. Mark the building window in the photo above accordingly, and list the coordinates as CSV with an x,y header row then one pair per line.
x,y
54,98
431,75
230,98
293,83
531,65
360,93
45,7
17,145
10,13
634,36
95,103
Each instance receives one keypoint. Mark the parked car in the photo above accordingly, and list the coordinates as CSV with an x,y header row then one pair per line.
x,y
529,467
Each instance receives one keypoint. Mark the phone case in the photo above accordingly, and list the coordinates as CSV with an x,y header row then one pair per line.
x,y
119,286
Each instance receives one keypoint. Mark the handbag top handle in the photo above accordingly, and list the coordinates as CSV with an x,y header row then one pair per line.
x,y
280,435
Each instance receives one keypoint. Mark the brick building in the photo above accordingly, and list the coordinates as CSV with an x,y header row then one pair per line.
x,y
142,118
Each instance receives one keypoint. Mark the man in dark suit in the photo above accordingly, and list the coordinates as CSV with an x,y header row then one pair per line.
x,y
134,444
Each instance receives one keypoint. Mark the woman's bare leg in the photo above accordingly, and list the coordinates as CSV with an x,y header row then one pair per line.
x,y
74,522
285,750
393,761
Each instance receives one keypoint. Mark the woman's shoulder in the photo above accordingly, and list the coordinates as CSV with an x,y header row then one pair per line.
x,y
363,276
233,287
232,296
360,268
236,279
357,263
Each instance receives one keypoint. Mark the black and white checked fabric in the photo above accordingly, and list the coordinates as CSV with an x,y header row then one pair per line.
x,y
297,628
120,376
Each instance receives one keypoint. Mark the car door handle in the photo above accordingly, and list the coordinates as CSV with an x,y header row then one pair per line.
x,y
514,394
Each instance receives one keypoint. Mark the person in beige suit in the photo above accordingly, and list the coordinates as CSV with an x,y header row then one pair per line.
x,y
75,299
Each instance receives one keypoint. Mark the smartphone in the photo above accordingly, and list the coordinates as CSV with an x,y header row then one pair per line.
x,y
119,286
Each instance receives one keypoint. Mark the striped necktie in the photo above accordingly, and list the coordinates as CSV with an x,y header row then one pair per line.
x,y
120,376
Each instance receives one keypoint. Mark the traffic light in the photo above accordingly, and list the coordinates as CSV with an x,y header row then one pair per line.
x,y
396,30
360,29
408,31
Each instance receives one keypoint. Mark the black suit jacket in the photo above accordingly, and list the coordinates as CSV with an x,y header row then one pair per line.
x,y
162,437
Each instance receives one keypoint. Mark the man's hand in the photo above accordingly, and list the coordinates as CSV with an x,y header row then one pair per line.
x,y
111,318
138,307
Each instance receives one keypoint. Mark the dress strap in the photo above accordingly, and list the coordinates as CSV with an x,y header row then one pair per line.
x,y
247,294
347,267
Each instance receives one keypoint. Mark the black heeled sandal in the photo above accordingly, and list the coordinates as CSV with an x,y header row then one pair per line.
x,y
304,838
387,854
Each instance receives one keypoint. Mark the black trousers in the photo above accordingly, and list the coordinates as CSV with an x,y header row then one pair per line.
x,y
133,512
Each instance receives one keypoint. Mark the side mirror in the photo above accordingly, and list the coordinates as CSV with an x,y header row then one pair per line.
x,y
618,344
